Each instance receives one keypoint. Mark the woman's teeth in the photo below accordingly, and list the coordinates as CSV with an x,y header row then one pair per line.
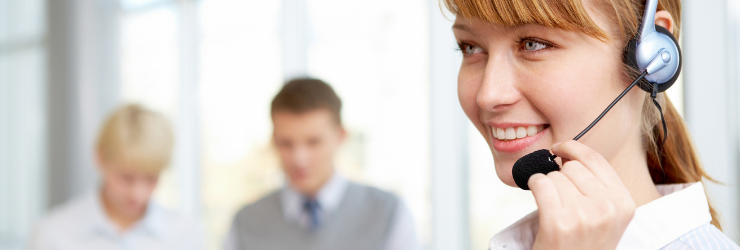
x,y
506,134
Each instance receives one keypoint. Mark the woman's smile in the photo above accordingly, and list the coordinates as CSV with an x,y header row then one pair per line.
x,y
510,138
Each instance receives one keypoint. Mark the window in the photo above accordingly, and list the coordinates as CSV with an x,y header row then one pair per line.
x,y
376,55
22,119
150,70
239,69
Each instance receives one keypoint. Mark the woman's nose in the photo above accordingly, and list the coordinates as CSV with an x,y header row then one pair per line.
x,y
498,90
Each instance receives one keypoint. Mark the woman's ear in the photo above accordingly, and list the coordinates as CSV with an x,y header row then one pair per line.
x,y
664,18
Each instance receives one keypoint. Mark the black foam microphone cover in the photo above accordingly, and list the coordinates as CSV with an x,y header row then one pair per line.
x,y
540,161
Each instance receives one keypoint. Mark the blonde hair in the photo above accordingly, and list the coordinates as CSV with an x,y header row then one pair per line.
x,y
136,138
679,161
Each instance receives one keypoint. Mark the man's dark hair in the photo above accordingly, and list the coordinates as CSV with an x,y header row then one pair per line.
x,y
307,94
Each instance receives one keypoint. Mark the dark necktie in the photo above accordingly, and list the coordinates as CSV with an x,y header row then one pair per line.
x,y
311,206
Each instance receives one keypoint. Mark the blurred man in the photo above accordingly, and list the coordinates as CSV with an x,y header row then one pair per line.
x,y
133,147
318,208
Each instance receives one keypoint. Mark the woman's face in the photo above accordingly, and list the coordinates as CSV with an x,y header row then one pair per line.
x,y
127,191
526,87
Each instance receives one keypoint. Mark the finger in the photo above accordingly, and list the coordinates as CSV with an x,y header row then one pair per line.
x,y
582,178
591,159
545,194
567,191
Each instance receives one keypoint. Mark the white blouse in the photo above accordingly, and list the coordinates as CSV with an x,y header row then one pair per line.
x,y
678,220
81,224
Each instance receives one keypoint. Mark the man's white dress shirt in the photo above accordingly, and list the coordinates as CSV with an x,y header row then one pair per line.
x,y
678,220
82,224
402,235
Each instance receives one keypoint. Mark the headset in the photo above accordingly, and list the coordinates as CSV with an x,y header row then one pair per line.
x,y
655,53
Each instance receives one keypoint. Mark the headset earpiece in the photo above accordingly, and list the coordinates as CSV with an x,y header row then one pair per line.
x,y
664,86
630,58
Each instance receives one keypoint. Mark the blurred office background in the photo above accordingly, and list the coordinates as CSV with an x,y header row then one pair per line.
x,y
212,66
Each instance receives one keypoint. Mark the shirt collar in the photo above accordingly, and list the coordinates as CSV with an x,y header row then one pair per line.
x,y
329,197
681,208
153,221
100,225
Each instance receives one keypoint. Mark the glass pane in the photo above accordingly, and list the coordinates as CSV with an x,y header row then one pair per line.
x,y
22,24
376,56
240,71
149,59
4,23
22,144
5,177
24,20
150,72
22,119
137,4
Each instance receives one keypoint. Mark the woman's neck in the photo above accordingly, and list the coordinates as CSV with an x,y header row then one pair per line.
x,y
121,221
631,166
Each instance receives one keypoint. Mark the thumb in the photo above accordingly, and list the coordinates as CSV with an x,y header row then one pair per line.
x,y
555,152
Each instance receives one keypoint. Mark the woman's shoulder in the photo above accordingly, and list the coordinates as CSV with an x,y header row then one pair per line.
x,y
706,236
62,223
72,211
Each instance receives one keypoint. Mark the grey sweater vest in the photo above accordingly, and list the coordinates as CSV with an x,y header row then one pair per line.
x,y
362,221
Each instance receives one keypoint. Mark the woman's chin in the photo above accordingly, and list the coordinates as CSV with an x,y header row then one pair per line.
x,y
503,170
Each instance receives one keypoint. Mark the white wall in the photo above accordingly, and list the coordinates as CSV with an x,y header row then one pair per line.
x,y
711,98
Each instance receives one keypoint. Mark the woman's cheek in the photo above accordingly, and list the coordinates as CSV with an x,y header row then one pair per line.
x,y
467,92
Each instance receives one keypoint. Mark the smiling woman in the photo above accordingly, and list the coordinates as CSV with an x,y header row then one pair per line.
x,y
525,67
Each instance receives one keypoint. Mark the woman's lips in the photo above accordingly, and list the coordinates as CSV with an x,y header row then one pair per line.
x,y
513,146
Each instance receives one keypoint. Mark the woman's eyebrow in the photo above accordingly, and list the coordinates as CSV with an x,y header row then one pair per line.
x,y
465,28
461,27
506,29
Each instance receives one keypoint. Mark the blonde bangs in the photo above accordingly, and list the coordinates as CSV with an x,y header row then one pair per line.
x,y
136,139
564,14
149,155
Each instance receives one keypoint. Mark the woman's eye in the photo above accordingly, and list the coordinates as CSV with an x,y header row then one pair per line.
x,y
531,45
469,49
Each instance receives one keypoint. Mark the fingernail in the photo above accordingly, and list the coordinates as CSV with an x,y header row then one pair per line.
x,y
556,144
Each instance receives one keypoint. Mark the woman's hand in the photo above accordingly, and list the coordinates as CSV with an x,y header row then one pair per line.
x,y
584,205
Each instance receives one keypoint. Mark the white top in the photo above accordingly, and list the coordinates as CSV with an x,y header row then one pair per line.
x,y
81,224
402,235
678,220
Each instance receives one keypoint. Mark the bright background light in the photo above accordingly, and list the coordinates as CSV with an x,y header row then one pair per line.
x,y
213,66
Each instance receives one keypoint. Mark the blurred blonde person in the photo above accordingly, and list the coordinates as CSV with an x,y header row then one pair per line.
x,y
134,146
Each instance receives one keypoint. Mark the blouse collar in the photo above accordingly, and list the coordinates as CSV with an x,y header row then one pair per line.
x,y
681,208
